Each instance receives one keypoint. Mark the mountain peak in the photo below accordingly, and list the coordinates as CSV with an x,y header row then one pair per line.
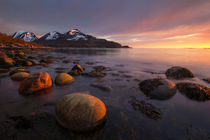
x,y
27,36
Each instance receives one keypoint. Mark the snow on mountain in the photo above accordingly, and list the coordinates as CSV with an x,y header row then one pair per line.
x,y
27,36
18,33
51,36
75,35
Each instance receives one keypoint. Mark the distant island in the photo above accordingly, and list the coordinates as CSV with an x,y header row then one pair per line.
x,y
73,38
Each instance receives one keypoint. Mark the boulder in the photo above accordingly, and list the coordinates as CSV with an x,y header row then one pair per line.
x,y
80,112
158,88
76,70
194,91
63,79
34,83
19,76
178,73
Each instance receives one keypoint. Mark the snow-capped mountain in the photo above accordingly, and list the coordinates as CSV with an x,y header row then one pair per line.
x,y
51,36
75,35
72,38
27,36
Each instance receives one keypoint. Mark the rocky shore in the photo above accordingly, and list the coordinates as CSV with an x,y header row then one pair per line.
x,y
82,112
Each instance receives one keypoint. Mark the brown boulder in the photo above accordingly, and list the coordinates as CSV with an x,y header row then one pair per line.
x,y
36,82
80,112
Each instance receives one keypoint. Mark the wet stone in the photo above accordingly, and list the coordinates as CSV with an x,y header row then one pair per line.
x,y
194,91
80,112
179,73
146,108
99,68
77,70
158,88
102,87
95,74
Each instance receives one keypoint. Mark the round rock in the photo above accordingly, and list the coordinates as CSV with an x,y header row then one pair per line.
x,y
34,83
63,79
80,112
194,91
158,88
19,76
179,73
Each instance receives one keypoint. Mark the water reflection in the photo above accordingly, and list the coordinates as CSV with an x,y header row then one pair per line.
x,y
86,51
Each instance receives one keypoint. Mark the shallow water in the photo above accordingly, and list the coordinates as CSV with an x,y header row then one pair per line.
x,y
181,118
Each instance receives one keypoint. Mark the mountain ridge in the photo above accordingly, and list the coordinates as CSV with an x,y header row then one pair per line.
x,y
71,38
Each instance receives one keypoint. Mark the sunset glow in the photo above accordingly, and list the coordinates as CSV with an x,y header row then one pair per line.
x,y
141,24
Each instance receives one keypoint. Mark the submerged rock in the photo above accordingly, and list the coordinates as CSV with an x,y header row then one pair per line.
x,y
47,61
20,76
102,87
80,112
76,70
27,63
6,62
158,88
96,74
179,73
146,108
194,91
34,83
17,70
63,79
207,80
99,68
4,70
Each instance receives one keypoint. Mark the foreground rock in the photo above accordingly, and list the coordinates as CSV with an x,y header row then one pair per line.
x,y
34,83
63,79
158,88
80,112
76,70
20,76
179,73
194,91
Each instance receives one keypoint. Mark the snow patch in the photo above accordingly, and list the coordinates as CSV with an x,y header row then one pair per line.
x,y
52,36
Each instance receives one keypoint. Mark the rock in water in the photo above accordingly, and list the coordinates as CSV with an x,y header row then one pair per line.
x,y
17,70
80,112
158,88
36,82
63,79
102,87
194,91
5,61
77,70
19,76
99,68
179,73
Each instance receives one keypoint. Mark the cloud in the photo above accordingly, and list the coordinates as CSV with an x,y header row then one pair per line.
x,y
122,20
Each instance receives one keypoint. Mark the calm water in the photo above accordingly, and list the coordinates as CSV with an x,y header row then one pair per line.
x,y
181,118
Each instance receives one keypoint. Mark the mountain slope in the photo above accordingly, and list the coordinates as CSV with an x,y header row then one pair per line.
x,y
72,38
27,36
51,36
8,41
